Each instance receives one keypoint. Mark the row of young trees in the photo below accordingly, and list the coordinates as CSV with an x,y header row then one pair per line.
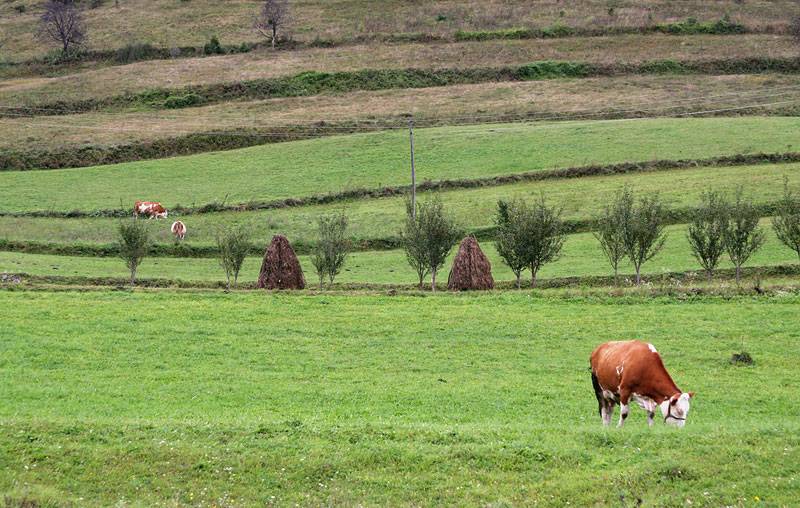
x,y
234,244
530,235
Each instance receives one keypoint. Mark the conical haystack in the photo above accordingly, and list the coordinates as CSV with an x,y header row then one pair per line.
x,y
471,268
280,268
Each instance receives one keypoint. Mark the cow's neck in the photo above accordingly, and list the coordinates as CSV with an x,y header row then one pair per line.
x,y
663,390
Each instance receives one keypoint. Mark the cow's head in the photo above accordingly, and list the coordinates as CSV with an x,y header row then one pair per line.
x,y
676,408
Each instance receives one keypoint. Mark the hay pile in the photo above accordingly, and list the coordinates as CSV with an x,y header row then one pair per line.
x,y
280,268
471,268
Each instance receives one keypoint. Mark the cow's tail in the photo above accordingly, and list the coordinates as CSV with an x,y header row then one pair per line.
x,y
598,393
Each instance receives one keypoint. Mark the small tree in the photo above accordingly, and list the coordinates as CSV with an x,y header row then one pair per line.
x,y
233,244
510,240
543,231
133,242
644,236
429,237
413,241
612,226
62,23
787,221
332,247
274,15
743,236
706,233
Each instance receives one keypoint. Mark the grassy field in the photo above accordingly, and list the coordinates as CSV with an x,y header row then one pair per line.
x,y
581,199
594,98
138,77
318,166
581,257
167,24
235,400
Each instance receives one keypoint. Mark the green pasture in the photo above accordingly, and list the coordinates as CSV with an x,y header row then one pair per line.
x,y
137,399
334,164
581,198
581,256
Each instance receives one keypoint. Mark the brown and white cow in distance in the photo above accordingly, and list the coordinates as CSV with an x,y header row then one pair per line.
x,y
151,209
179,230
632,370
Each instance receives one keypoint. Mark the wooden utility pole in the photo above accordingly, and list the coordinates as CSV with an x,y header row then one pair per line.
x,y
413,175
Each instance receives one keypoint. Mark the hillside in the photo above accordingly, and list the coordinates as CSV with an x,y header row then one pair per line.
x,y
370,390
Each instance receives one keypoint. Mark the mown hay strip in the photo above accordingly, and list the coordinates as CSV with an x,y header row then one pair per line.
x,y
315,83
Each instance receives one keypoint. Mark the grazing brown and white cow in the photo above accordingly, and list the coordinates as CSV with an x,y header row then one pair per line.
x,y
151,209
179,229
626,370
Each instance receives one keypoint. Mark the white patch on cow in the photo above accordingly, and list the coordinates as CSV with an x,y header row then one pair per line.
x,y
620,368
652,348
677,413
623,413
645,403
607,394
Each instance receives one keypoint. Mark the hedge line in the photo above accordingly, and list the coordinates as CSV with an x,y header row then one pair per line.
x,y
314,83
673,216
137,52
13,280
383,192
691,26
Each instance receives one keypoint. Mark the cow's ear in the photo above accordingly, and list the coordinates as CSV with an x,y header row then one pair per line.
x,y
691,395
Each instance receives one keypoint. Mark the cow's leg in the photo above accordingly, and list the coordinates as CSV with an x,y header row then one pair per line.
x,y
608,411
650,415
624,408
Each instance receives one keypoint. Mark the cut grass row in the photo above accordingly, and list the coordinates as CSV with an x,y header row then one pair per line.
x,y
313,83
136,78
581,258
104,138
345,400
319,166
373,220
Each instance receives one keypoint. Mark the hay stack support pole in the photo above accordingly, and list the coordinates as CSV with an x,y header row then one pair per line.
x,y
413,172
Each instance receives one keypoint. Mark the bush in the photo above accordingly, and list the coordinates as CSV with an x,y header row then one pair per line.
x,y
133,243
213,47
743,236
181,101
706,233
643,232
332,247
611,228
20,8
233,243
787,219
428,237
135,52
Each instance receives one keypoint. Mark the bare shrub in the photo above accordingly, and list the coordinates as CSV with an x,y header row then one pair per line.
x,y
62,23
272,18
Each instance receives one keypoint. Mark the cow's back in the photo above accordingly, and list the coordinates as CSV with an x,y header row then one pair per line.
x,y
611,360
